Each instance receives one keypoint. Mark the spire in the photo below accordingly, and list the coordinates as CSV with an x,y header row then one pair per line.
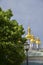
x,y
29,30
28,36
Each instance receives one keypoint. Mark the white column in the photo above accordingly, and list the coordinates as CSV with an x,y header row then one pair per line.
x,y
31,46
37,46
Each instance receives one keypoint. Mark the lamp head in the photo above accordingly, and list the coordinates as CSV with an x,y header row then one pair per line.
x,y
26,46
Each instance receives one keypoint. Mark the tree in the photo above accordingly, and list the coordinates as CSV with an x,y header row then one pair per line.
x,y
11,40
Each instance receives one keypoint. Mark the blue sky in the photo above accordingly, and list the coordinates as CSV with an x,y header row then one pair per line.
x,y
27,13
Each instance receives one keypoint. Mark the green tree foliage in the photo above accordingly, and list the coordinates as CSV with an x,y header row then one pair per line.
x,y
11,40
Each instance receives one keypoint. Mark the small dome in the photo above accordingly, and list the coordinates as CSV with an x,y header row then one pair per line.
x,y
37,40
32,40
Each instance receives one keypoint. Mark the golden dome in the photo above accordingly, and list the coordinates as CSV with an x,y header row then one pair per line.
x,y
37,40
32,40
28,36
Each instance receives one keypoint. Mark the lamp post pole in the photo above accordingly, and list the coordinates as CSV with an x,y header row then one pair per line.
x,y
27,56
26,48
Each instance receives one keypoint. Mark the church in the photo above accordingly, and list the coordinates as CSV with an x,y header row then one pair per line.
x,y
35,52
33,42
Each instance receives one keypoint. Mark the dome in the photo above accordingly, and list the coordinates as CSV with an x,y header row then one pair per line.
x,y
32,40
37,40
28,36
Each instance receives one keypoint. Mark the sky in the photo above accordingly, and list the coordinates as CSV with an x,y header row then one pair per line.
x,y
28,13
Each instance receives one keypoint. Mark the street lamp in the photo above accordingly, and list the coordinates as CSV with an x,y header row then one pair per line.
x,y
26,47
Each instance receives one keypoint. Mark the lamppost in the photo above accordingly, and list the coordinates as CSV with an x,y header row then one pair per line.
x,y
26,47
